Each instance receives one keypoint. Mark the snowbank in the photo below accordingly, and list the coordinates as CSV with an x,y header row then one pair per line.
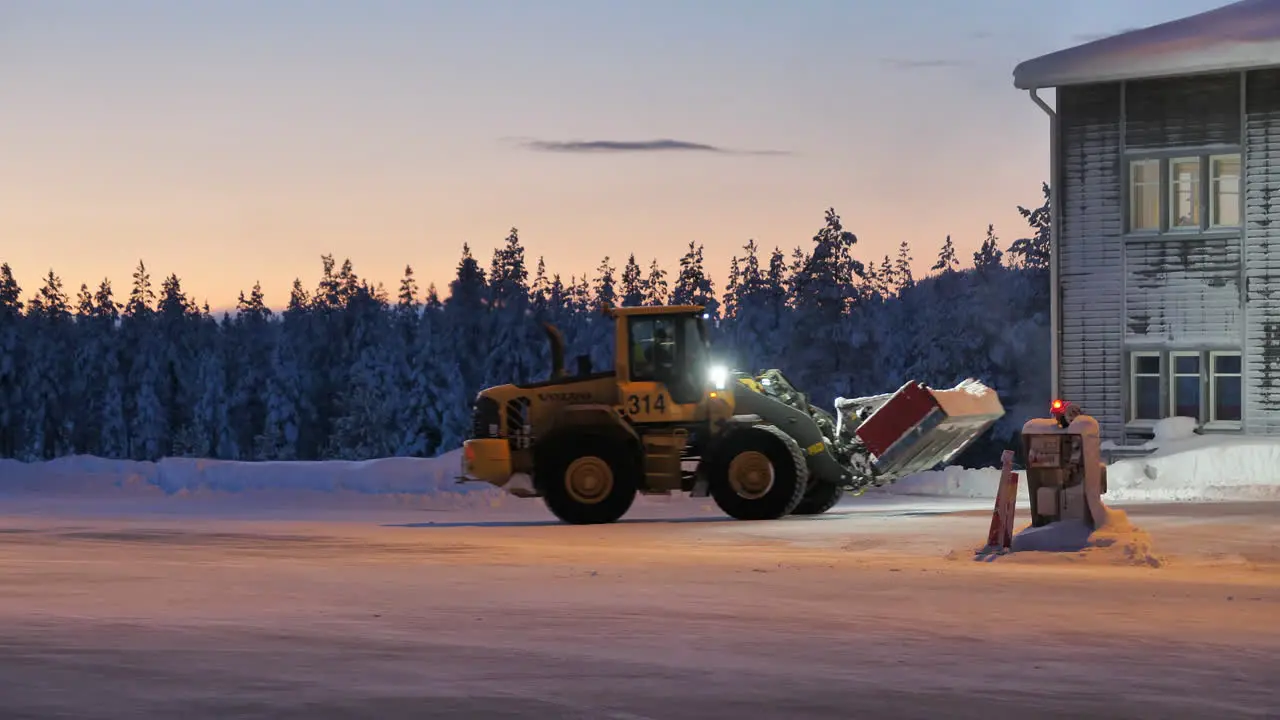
x,y
85,475
1182,467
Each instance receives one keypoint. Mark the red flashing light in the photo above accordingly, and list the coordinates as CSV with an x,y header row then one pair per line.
x,y
1057,406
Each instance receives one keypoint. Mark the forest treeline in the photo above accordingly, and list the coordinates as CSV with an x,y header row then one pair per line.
x,y
349,370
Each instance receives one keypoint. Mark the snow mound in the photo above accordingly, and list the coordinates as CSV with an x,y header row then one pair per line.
x,y
1117,541
1172,430
1200,467
92,476
1182,467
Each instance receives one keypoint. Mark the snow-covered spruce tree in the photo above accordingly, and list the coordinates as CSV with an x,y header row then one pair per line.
x,y
247,342
512,353
368,412
143,361
466,321
828,343
13,365
50,410
693,286
632,291
600,327
655,288
288,426
179,321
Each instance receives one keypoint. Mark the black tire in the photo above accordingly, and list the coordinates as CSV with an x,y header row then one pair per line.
x,y
818,498
789,474
571,454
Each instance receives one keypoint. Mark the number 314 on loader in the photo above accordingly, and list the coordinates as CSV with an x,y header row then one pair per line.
x,y
665,420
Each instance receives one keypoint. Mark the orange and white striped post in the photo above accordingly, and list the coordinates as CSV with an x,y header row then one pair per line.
x,y
1000,536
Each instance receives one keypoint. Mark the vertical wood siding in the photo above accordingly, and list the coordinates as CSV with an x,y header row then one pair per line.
x,y
1262,252
1090,262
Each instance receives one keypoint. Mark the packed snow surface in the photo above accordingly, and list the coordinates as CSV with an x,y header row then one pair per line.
x,y
1242,35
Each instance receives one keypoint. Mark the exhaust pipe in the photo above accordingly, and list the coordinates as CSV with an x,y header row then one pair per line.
x,y
557,350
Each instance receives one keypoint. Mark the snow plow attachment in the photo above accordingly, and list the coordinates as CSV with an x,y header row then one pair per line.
x,y
918,427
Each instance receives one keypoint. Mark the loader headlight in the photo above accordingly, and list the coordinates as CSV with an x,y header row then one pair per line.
x,y
719,376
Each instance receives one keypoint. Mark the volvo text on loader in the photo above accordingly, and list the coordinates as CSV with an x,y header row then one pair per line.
x,y
665,420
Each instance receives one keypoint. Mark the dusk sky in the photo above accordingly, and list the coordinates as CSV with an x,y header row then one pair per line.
x,y
235,141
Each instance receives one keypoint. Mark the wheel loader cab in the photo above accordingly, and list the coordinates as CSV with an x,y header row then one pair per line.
x,y
662,364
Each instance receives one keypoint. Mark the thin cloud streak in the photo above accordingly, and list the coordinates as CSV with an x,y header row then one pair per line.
x,y
899,64
638,146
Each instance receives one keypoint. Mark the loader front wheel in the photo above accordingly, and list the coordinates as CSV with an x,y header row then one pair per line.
x,y
759,474
818,498
588,481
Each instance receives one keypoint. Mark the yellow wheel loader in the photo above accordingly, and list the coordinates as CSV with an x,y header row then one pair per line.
x,y
664,419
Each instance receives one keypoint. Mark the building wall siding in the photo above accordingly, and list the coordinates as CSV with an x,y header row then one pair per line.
x,y
1091,278
1168,112
1183,292
1262,252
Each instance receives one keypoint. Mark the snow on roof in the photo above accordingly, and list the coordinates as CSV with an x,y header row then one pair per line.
x,y
1241,36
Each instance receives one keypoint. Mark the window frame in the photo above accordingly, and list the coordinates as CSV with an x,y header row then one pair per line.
x,y
1155,186
1172,191
1159,375
1168,381
1213,192
1211,411
1173,382
1206,191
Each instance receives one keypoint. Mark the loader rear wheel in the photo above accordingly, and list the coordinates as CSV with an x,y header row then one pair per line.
x,y
818,498
759,474
588,480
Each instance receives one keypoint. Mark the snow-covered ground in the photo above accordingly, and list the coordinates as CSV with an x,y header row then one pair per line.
x,y
381,589
1182,466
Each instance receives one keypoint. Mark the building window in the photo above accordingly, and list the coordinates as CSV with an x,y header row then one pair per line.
x,y
1144,386
1144,195
1205,386
1224,191
1184,194
1185,386
1226,387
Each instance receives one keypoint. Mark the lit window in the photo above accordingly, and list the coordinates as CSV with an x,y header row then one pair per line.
x,y
1184,193
1224,191
1226,386
1145,386
1185,397
1144,195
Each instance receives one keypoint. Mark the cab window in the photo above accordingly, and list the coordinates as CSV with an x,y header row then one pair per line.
x,y
653,348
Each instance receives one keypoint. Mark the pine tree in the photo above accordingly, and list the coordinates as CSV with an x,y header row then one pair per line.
x,y
692,286
902,267
605,291
947,261
656,291
540,290
989,255
50,372
13,364
633,294
1033,253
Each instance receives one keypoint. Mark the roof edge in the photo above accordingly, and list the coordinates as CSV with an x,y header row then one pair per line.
x,y
1243,35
